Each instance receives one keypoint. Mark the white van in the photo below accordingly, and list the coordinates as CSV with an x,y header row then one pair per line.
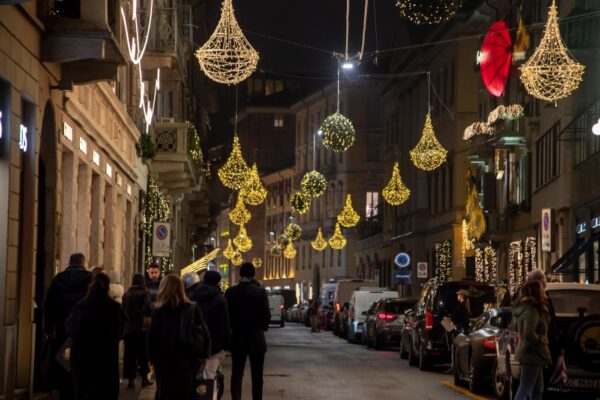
x,y
277,309
327,292
343,292
360,302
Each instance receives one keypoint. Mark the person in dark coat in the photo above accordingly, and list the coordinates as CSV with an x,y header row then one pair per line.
x,y
177,342
66,289
214,308
250,316
461,316
96,327
153,282
136,305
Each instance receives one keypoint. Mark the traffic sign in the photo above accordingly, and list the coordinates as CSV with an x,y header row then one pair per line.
x,y
402,260
161,239
422,269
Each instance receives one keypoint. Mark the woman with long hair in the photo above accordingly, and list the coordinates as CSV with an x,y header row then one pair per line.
x,y
531,314
177,343
96,327
136,304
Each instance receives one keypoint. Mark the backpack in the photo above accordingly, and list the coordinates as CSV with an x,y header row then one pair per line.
x,y
193,332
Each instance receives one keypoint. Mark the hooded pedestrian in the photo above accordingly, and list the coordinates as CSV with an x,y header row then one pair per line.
x,y
66,289
250,316
533,354
214,308
153,282
96,328
177,342
136,304
191,280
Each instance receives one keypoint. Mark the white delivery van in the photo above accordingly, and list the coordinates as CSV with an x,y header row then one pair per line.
x,y
360,302
343,292
327,292
277,309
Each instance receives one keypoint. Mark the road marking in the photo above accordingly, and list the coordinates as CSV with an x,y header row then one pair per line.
x,y
462,390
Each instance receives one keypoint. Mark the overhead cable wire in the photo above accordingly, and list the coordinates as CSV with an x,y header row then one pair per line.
x,y
364,32
291,42
347,26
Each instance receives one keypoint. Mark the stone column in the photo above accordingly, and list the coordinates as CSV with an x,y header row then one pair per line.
x,y
84,197
68,240
97,221
109,229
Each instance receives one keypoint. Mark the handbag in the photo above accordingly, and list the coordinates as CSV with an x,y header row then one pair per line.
x,y
194,334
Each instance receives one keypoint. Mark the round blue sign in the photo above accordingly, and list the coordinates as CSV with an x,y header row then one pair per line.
x,y
402,260
162,232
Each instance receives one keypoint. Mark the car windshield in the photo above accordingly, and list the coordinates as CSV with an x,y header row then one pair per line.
x,y
481,298
566,302
397,307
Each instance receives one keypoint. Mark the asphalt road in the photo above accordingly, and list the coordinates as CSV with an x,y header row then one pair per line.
x,y
301,365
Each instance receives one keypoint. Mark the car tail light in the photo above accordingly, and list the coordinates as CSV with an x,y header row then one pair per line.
x,y
281,306
337,306
428,320
385,316
490,343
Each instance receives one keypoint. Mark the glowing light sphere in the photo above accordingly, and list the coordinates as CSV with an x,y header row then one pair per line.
x,y
242,241
428,154
253,192
240,214
338,133
290,251
293,231
283,241
396,193
428,12
234,173
319,244
596,128
229,251
300,202
348,217
337,241
313,184
257,262
276,251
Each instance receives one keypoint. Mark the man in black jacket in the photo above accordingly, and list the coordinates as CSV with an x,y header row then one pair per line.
x,y
66,289
250,316
213,304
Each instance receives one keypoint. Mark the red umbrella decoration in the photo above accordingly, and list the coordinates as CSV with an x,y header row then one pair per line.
x,y
496,58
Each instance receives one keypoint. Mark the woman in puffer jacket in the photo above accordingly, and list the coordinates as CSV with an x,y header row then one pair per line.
x,y
532,316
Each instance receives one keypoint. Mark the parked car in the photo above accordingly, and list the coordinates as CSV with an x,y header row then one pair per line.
x,y
428,342
385,321
343,292
360,302
290,313
289,296
475,350
574,337
277,308
326,316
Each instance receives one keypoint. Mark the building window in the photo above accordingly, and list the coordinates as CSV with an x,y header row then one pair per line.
x,y
278,121
371,209
547,150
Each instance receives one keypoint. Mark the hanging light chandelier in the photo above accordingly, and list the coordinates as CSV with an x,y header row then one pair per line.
x,y
227,57
290,251
229,251
550,73
396,193
253,191
428,154
319,244
428,12
237,259
348,217
240,214
337,241
234,173
242,241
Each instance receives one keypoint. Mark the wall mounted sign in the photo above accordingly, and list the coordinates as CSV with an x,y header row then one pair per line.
x,y
402,260
547,221
67,131
595,222
422,269
95,157
23,138
581,228
161,239
128,189
83,145
108,170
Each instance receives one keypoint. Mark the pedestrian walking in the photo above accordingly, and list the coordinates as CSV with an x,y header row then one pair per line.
x,y
461,316
153,282
66,289
214,308
249,316
313,315
191,281
136,305
177,343
533,354
96,328
116,289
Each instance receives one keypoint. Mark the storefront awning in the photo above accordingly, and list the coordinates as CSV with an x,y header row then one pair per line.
x,y
568,261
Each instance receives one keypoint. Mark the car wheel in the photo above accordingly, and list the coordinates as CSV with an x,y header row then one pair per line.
x,y
412,357
282,324
475,379
424,361
500,382
456,369
403,352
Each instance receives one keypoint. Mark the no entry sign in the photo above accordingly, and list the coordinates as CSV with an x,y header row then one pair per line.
x,y
161,239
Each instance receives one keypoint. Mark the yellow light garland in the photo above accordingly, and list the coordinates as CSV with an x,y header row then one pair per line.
x,y
229,251
293,231
234,173
443,260
257,262
313,184
240,214
319,244
428,11
428,154
338,133
237,259
479,265
396,193
290,251
491,264
227,57
550,73
253,191
242,241
348,217
300,202
337,241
